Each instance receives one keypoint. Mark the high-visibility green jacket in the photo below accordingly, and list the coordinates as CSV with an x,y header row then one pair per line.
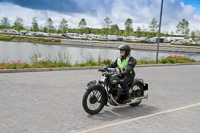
x,y
122,64
125,65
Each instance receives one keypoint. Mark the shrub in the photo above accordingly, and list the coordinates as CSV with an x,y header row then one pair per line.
x,y
6,37
164,61
144,60
37,61
106,62
177,59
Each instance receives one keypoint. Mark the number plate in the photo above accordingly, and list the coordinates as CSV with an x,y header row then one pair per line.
x,y
91,83
102,79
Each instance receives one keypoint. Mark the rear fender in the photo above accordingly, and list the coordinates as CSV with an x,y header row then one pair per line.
x,y
141,82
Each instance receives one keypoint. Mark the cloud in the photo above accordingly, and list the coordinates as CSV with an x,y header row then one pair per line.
x,y
94,12
59,6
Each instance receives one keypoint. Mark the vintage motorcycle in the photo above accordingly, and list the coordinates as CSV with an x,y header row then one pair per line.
x,y
108,90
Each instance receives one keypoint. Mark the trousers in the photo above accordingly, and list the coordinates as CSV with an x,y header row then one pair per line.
x,y
124,84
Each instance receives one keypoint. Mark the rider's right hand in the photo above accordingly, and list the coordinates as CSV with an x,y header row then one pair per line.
x,y
106,68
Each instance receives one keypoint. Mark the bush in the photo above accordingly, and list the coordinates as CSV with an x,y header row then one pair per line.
x,y
6,37
164,61
106,62
144,60
177,59
25,65
63,60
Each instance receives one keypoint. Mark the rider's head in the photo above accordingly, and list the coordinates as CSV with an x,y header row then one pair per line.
x,y
124,50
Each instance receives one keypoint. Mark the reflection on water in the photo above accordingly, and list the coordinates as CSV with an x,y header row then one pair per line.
x,y
23,50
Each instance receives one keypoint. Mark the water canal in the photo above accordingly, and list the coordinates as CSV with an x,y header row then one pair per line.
x,y
23,50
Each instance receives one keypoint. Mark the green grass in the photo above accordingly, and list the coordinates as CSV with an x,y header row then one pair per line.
x,y
27,39
6,37
64,61
187,44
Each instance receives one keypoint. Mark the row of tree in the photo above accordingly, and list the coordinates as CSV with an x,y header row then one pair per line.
x,y
108,28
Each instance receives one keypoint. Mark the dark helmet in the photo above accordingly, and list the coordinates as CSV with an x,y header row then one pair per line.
x,y
126,48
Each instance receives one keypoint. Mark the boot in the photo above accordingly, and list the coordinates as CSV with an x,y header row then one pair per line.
x,y
128,97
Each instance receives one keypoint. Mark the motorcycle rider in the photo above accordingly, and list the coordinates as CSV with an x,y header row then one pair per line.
x,y
126,64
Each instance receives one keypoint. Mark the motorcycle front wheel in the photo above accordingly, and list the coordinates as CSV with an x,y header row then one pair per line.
x,y
93,100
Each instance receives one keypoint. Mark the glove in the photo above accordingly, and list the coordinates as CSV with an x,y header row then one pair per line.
x,y
123,73
119,75
106,68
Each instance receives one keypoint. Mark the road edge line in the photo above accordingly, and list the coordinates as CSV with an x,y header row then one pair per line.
x,y
138,118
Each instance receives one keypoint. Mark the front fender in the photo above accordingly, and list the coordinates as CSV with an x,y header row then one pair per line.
x,y
97,86
101,89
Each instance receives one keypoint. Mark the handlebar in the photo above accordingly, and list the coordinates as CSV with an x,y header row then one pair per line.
x,y
101,70
107,70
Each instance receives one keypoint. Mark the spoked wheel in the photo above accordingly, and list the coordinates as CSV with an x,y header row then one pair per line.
x,y
138,92
93,101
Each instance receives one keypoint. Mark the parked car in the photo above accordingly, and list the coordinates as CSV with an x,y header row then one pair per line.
x,y
177,42
112,37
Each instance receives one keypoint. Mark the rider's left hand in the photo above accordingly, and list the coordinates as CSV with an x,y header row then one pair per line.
x,y
123,73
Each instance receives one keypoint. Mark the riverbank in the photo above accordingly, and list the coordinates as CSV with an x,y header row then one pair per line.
x,y
64,62
166,47
137,46
82,68
12,38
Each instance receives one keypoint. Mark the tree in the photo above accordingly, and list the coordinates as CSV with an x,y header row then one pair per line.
x,y
128,23
18,24
148,35
128,27
63,26
106,24
5,23
45,29
87,30
114,30
82,25
120,32
153,26
144,31
195,35
35,26
49,25
138,32
171,33
166,34
182,27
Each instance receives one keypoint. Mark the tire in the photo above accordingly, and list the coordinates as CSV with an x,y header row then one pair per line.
x,y
91,97
140,93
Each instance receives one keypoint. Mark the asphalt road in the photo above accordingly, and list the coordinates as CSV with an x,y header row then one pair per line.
x,y
50,102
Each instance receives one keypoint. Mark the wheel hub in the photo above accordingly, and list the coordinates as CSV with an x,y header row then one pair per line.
x,y
93,99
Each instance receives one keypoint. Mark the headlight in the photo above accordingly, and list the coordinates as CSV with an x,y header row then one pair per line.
x,y
114,80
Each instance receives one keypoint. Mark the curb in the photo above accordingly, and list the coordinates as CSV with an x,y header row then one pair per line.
x,y
135,46
81,68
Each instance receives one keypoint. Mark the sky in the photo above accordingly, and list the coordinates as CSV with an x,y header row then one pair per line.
x,y
95,11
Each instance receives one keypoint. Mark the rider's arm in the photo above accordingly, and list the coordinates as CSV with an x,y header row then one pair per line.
x,y
113,65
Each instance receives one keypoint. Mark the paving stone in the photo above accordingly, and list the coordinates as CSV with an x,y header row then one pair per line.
x,y
43,102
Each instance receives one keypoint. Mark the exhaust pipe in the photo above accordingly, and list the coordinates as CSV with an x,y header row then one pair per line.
x,y
138,99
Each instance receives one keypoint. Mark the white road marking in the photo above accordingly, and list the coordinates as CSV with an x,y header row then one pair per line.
x,y
138,118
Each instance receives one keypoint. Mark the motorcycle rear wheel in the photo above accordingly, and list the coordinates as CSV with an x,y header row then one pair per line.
x,y
140,92
93,101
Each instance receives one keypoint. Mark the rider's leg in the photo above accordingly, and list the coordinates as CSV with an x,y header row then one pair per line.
x,y
124,84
